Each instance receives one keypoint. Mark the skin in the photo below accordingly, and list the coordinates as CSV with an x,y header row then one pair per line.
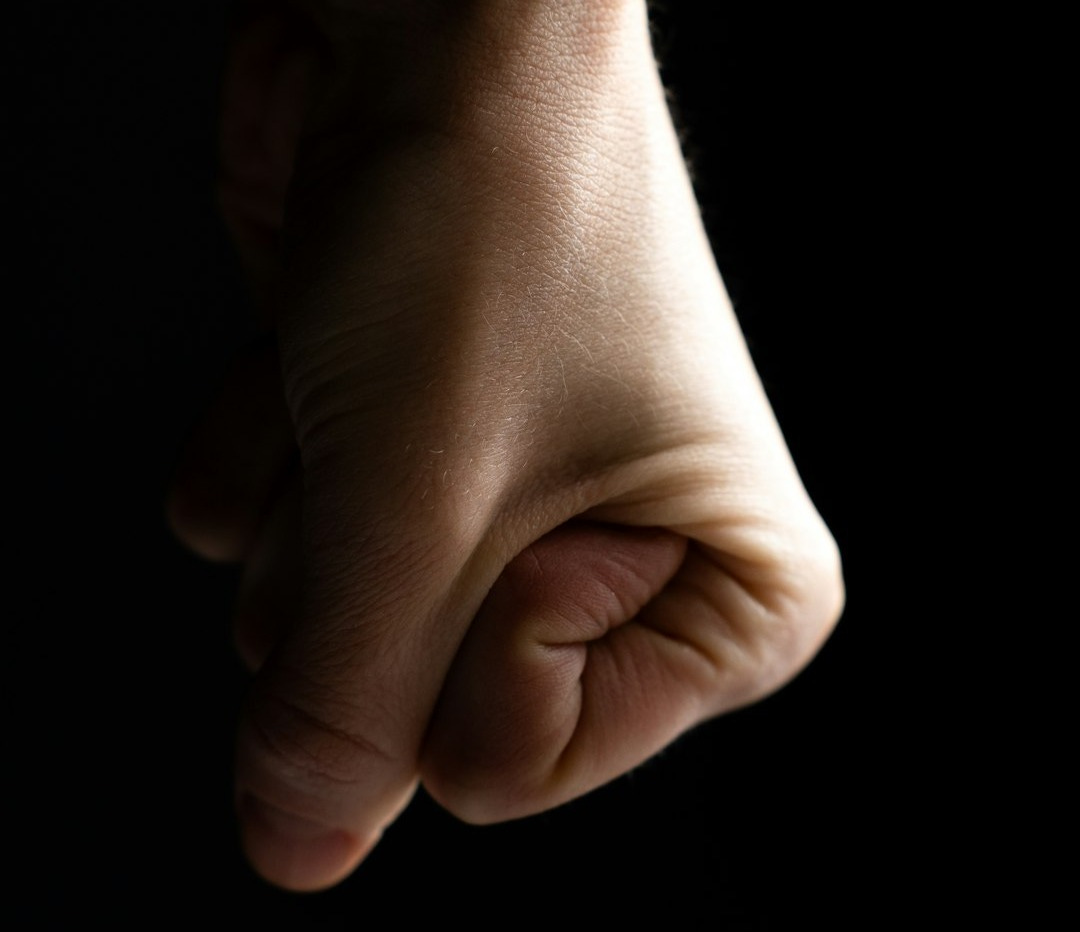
x,y
514,509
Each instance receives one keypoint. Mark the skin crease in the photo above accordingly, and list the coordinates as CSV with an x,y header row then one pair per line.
x,y
514,509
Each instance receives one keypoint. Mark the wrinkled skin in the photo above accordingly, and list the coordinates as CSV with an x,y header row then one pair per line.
x,y
514,509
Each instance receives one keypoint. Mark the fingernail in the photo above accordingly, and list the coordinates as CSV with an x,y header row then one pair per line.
x,y
294,852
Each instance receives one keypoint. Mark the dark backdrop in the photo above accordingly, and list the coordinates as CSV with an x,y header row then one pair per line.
x,y
123,304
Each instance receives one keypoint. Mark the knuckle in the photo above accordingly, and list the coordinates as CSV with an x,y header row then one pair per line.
x,y
493,765
481,795
799,606
294,742
815,589
765,605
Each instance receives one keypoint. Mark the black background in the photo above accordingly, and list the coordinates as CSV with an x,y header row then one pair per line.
x,y
123,306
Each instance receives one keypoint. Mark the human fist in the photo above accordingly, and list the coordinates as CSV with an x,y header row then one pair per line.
x,y
542,520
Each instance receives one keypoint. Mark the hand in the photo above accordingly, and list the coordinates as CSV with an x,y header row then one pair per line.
x,y
542,520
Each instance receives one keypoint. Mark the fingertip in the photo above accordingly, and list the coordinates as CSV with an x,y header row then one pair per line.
x,y
237,455
296,853
203,526
313,794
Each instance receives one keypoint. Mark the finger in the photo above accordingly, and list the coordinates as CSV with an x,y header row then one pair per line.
x,y
542,665
264,100
328,743
240,451
597,647
268,601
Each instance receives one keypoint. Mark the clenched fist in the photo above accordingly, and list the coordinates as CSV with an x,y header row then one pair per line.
x,y
514,509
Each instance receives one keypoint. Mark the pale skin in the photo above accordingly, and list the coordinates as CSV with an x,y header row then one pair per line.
x,y
542,520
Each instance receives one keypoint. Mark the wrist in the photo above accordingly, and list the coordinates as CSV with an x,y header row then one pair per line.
x,y
443,65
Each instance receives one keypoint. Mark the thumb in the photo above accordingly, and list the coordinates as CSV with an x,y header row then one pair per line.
x,y
329,737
